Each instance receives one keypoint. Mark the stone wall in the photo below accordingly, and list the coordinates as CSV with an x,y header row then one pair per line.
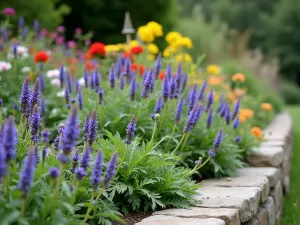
x,y
254,197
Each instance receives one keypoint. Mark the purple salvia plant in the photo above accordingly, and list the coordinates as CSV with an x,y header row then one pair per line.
x,y
178,77
133,89
37,155
35,123
223,109
130,130
222,101
93,128
3,164
67,97
56,142
179,110
24,33
112,76
69,82
45,136
61,76
76,83
122,80
119,68
210,100
192,98
85,158
165,89
184,82
236,108
80,173
218,140
44,153
236,123
75,159
97,171
158,65
153,79
100,95
111,169
4,34
42,82
202,91
127,67
147,85
209,118
53,172
228,116
80,99
237,139
9,138
169,71
25,98
21,22
15,46
35,97
193,118
173,88
86,78
158,107
27,173
97,80
86,126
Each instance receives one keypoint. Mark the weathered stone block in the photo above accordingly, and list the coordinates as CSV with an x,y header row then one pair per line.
x,y
277,194
286,184
230,216
252,221
262,216
266,156
269,205
245,199
172,220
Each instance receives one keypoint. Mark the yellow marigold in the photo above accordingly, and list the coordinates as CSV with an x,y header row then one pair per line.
x,y
156,28
266,106
168,51
152,48
122,47
151,57
111,48
187,42
145,34
133,43
238,77
173,36
257,132
183,57
215,81
213,69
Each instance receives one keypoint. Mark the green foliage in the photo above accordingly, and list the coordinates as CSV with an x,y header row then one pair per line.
x,y
290,92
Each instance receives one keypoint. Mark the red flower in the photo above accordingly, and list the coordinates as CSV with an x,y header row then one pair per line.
x,y
136,50
161,76
135,67
97,49
41,56
89,65
128,54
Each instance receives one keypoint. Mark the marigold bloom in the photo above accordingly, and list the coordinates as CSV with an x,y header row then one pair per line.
x,y
187,42
239,92
242,118
257,132
152,48
266,106
145,34
41,57
173,36
89,66
238,77
215,81
97,49
155,28
136,50
248,113
183,57
213,69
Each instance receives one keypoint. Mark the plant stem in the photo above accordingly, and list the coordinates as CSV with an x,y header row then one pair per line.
x,y
186,137
198,167
23,203
59,180
181,140
89,209
141,106
173,131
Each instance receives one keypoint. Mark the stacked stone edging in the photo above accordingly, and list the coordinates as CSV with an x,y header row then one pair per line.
x,y
254,197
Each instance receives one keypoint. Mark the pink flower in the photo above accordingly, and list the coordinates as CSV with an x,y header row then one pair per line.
x,y
44,32
59,40
60,28
9,11
78,30
87,42
71,44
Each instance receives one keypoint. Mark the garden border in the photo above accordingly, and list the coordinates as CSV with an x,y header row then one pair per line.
x,y
254,197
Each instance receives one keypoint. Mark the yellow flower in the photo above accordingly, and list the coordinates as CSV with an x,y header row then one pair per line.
x,y
173,36
133,43
183,57
266,106
152,48
168,51
31,75
111,48
151,57
156,28
213,69
145,34
187,42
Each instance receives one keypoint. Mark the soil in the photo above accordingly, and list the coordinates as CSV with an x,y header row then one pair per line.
x,y
133,218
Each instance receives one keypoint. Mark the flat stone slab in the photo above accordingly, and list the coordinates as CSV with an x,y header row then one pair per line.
x,y
230,216
172,220
261,182
262,216
266,156
277,194
245,199
269,143
272,173
269,205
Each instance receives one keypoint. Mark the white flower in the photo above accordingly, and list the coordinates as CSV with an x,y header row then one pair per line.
x,y
22,52
26,69
4,66
54,111
60,93
81,82
53,73
55,82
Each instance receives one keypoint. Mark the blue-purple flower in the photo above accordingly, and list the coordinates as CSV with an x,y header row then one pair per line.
x,y
86,78
193,118
202,91
132,89
228,116
192,98
3,164
111,169
80,99
80,173
147,85
100,95
85,158
236,108
179,110
35,95
53,172
35,123
25,98
238,139
112,77
45,136
61,76
97,170
158,107
218,140
236,123
9,138
86,126
184,82
75,159
210,100
209,118
93,128
166,89
130,130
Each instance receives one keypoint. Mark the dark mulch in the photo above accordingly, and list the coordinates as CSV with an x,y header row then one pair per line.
x,y
133,218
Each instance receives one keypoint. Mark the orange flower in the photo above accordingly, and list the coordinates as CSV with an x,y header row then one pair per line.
x,y
161,76
128,54
89,66
232,97
135,67
97,49
215,81
238,77
136,50
248,113
257,132
242,118
73,60
239,92
266,106
72,68
41,56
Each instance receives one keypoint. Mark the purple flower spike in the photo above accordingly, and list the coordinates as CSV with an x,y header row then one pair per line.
x,y
184,82
127,67
76,85
122,81
67,96
45,136
70,133
218,140
179,110
202,91
152,83
111,169
223,109
42,82
86,126
80,173
100,95
75,159
9,138
193,118
53,172
35,121
228,116
236,123
132,89
209,118
35,97
211,153
21,22
25,98
130,130
173,89
236,108
147,85
24,34
86,78
158,65
44,153
27,173
43,106
36,26
93,128
80,99
69,82
3,164
61,76
97,170
85,158
158,107
112,76
179,76
166,89
169,71
192,98
222,101
15,45
238,139
210,100
1,102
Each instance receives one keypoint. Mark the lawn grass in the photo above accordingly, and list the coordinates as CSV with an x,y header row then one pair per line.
x,y
291,210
